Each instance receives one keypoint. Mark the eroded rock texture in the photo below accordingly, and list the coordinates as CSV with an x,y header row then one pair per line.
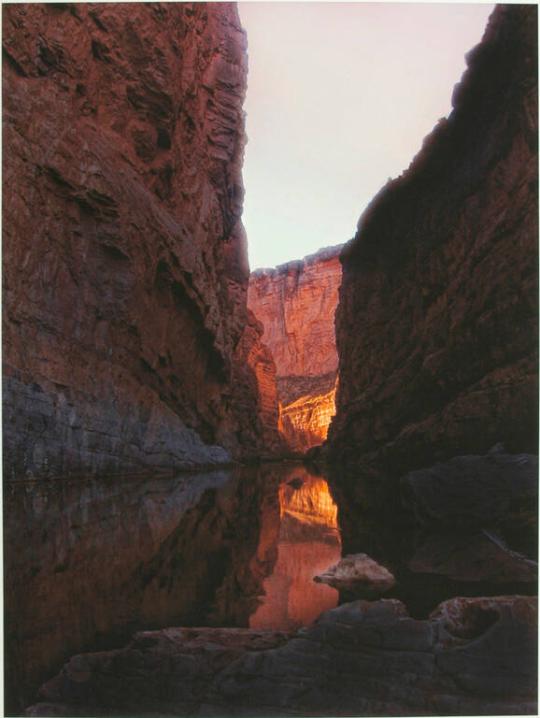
x,y
296,303
125,268
437,320
471,657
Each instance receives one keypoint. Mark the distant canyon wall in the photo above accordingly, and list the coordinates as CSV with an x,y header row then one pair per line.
x,y
296,303
437,321
125,267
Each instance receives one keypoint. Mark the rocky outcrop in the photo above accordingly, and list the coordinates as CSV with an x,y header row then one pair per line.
x,y
437,320
466,527
471,657
360,575
304,422
296,303
469,511
254,375
125,266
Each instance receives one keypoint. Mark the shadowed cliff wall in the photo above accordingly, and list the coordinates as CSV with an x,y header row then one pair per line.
x,y
125,267
437,321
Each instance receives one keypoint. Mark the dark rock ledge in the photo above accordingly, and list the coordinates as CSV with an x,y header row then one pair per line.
x,y
472,656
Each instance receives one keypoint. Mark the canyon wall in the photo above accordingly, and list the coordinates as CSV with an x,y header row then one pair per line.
x,y
296,303
437,321
125,265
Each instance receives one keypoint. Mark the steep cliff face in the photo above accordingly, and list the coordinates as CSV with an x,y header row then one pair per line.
x,y
437,320
296,303
125,268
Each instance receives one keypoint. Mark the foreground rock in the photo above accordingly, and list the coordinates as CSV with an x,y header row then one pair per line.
x,y
476,558
471,657
496,493
296,303
497,489
360,575
437,322
125,261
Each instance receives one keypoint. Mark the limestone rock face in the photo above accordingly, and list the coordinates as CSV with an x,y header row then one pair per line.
x,y
296,303
473,656
125,266
437,321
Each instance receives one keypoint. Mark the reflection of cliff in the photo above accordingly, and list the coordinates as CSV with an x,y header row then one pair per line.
x,y
296,304
86,563
308,542
308,499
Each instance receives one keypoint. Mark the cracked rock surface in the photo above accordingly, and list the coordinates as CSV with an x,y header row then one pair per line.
x,y
472,656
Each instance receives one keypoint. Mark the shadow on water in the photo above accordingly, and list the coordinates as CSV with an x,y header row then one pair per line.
x,y
87,563
493,552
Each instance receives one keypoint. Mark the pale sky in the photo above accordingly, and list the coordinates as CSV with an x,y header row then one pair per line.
x,y
340,97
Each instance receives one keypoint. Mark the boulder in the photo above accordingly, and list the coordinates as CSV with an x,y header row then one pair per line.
x,y
360,575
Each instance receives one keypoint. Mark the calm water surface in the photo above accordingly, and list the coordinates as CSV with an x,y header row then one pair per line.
x,y
87,563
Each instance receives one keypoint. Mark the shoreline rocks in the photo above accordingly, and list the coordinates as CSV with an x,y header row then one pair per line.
x,y
473,656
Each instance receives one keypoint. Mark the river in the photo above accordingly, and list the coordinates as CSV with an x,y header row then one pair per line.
x,y
90,561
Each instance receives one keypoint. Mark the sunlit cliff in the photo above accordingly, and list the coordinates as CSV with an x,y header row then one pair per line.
x,y
296,303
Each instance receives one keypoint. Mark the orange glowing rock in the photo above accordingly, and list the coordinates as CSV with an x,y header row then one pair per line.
x,y
296,303
304,423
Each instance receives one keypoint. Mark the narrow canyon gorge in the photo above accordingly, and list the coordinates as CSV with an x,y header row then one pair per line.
x,y
303,490
296,303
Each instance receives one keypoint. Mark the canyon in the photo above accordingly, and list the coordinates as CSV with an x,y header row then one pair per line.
x,y
122,203
296,304
437,321
100,558
155,561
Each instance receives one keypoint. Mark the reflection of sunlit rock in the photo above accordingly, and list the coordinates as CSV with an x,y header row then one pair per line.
x,y
308,542
310,502
358,574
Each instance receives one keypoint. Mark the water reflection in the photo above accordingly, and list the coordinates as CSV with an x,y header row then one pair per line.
x,y
307,543
87,563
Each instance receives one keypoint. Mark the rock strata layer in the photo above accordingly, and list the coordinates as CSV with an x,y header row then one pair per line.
x,y
437,321
296,303
471,657
125,266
